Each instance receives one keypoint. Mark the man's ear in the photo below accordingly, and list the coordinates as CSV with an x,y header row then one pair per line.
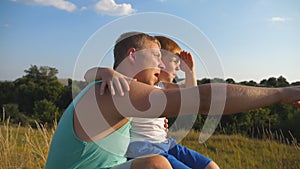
x,y
130,54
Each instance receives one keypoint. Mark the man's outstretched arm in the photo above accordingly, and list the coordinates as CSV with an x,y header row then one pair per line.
x,y
233,98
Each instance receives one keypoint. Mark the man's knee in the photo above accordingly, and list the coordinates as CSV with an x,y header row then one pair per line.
x,y
153,162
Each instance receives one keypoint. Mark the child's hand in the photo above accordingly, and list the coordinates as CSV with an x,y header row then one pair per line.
x,y
186,61
114,81
166,125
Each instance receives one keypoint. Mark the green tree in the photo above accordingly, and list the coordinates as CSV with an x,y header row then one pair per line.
x,y
12,112
217,80
65,98
203,81
262,117
293,124
230,81
250,83
7,92
45,111
275,82
272,82
295,83
282,82
38,83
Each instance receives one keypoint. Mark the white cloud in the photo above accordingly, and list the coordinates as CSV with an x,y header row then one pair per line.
x,y
109,7
279,19
60,4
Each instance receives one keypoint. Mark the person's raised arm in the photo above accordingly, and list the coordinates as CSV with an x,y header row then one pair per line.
x,y
187,66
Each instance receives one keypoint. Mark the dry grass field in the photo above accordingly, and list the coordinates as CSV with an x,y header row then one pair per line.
x,y
27,148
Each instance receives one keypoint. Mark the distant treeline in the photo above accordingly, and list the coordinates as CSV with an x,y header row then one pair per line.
x,y
277,121
39,96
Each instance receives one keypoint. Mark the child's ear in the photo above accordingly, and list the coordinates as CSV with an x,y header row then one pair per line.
x,y
130,54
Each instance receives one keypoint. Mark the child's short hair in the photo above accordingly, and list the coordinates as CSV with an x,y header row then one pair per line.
x,y
167,44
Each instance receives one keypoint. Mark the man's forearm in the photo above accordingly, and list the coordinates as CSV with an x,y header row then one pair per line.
x,y
242,98
216,98
219,98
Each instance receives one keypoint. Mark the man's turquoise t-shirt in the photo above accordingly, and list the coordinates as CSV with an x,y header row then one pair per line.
x,y
68,151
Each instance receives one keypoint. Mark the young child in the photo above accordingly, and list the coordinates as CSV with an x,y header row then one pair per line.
x,y
149,135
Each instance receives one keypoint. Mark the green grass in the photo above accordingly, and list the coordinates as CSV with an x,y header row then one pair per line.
x,y
25,147
238,152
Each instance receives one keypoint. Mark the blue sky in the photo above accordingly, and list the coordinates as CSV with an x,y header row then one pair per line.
x,y
254,39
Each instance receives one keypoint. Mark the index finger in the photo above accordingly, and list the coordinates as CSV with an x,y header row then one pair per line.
x,y
118,86
125,84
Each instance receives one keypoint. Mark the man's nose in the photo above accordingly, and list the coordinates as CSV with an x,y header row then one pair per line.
x,y
161,64
177,67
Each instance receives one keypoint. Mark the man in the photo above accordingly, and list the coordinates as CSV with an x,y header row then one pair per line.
x,y
91,132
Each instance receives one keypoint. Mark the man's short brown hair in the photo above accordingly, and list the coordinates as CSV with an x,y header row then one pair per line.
x,y
130,40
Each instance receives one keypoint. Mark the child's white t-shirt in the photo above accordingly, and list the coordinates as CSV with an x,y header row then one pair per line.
x,y
148,129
